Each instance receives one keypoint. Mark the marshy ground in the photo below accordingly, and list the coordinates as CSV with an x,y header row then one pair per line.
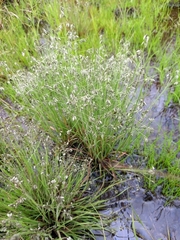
x,y
96,83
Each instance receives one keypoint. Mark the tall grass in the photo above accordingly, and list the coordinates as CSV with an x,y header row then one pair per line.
x,y
91,100
47,198
26,23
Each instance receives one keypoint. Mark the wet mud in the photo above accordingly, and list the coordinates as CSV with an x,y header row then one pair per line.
x,y
166,118
141,215
138,214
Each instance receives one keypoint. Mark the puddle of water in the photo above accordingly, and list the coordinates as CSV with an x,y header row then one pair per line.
x,y
152,219
166,119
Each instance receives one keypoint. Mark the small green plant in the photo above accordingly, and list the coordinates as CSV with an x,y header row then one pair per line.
x,y
47,197
164,164
175,94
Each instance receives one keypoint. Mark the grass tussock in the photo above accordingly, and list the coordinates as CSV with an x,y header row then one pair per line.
x,y
47,198
90,100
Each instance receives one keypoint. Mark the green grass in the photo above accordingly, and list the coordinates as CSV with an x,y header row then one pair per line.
x,y
78,100
47,197
164,165
86,100
78,72
28,24
25,22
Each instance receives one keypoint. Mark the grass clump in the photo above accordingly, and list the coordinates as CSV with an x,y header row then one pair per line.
x,y
47,198
163,163
90,100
